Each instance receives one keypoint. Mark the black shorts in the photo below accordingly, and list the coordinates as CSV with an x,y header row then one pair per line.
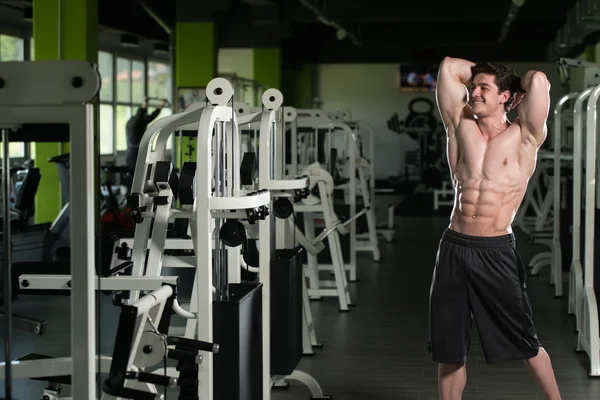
x,y
481,280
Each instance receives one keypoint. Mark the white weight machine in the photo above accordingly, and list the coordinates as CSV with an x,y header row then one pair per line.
x,y
588,335
366,241
143,342
538,197
218,295
576,269
268,123
314,120
58,92
542,230
245,90
58,371
319,202
587,75
367,169
287,233
555,247
221,311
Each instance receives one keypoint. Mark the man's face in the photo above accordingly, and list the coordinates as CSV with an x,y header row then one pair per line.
x,y
484,96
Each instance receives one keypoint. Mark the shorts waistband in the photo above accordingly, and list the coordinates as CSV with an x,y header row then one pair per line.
x,y
481,242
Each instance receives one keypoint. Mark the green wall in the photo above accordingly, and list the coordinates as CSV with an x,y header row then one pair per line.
x,y
297,86
195,61
267,67
77,39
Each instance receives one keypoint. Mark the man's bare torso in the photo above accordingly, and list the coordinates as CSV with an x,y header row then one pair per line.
x,y
490,173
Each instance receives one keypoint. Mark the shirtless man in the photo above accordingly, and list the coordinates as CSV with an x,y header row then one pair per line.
x,y
479,276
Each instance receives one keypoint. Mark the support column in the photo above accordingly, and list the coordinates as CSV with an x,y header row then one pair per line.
x,y
62,30
196,53
297,86
267,67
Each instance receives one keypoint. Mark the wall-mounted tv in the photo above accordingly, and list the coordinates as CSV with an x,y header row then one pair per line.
x,y
418,77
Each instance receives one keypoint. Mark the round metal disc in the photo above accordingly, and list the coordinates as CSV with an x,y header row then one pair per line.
x,y
151,350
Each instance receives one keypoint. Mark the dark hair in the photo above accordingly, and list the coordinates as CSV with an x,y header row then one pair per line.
x,y
504,77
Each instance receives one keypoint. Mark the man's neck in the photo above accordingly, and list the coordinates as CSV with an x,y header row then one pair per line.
x,y
493,124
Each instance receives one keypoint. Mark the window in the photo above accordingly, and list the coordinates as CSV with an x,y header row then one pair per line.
x,y
159,81
123,80
11,49
105,66
106,129
123,115
125,83
138,82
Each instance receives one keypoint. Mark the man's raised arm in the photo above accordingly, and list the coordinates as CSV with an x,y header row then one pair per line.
x,y
451,92
535,106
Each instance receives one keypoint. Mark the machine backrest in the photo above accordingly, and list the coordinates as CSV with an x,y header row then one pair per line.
x,y
26,195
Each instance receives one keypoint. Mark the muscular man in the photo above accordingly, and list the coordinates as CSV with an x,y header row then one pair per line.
x,y
135,128
479,276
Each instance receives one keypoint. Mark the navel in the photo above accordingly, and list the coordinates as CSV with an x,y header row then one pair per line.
x,y
505,161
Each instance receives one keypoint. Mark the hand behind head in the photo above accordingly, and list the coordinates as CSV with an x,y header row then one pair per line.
x,y
519,96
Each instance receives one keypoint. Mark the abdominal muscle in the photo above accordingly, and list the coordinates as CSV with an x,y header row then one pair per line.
x,y
485,206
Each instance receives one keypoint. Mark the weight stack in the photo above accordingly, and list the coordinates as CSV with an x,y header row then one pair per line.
x,y
286,310
237,330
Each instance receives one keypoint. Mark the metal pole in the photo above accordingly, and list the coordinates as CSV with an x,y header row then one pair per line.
x,y
221,248
7,266
217,175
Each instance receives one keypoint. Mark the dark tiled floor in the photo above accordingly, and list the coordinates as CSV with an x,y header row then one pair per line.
x,y
378,351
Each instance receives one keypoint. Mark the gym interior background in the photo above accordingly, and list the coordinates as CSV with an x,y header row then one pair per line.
x,y
354,57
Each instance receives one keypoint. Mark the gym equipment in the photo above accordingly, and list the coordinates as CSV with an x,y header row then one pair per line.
x,y
536,206
576,270
588,335
114,215
238,310
291,317
58,92
311,122
59,230
245,90
19,215
422,165
365,171
288,235
556,247
142,341
240,320
323,205
543,183
420,119
35,242
386,229
290,192
158,100
57,371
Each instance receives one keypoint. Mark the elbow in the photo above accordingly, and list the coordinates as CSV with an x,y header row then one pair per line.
x,y
540,78
447,63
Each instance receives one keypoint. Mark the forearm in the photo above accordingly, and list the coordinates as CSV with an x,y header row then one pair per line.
x,y
458,69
